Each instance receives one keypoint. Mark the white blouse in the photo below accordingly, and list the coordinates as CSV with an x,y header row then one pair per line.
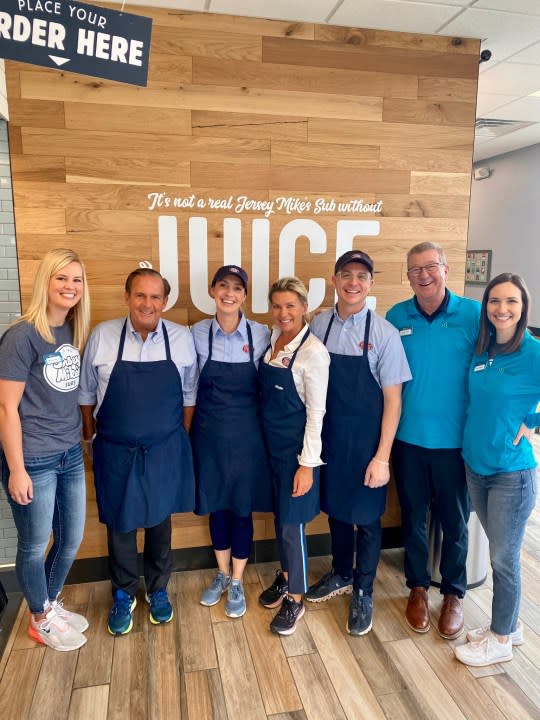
x,y
310,375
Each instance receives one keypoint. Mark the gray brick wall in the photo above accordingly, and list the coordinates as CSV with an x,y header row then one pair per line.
x,y
10,308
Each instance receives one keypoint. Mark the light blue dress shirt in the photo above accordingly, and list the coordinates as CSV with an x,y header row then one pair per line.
x,y
229,347
102,349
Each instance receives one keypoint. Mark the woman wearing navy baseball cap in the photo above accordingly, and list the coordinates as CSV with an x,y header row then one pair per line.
x,y
231,464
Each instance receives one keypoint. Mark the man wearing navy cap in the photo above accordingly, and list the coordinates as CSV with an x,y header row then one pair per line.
x,y
363,405
439,331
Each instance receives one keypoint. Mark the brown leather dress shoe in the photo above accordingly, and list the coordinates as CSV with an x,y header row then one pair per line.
x,y
451,620
417,612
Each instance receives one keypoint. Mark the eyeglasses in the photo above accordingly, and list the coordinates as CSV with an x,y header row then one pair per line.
x,y
360,276
431,268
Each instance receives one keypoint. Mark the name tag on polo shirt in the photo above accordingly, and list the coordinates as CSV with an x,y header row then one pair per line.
x,y
405,331
479,368
52,358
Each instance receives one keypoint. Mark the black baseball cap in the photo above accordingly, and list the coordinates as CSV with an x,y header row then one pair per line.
x,y
231,270
354,256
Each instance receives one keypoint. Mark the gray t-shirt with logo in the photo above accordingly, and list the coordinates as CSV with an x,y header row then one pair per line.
x,y
49,408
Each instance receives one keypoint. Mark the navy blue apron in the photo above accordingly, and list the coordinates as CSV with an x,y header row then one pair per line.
x,y
284,424
350,436
231,463
143,468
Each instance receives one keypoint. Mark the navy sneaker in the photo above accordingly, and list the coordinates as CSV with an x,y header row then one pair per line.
x,y
328,586
288,616
273,595
360,614
121,615
161,610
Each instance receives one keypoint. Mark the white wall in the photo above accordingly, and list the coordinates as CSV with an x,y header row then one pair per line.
x,y
3,93
505,218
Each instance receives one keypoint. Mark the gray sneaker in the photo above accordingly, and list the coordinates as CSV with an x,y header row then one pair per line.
x,y
212,595
236,602
329,585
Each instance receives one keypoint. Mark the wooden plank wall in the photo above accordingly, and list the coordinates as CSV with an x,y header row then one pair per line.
x,y
240,106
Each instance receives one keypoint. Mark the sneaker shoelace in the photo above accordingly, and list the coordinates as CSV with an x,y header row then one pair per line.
x,y
236,591
121,606
159,599
218,583
60,610
287,608
48,620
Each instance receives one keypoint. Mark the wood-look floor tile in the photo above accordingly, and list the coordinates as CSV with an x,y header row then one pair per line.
x,y
204,695
95,658
509,698
52,694
273,672
240,687
129,681
426,688
318,696
18,682
164,670
350,683
89,703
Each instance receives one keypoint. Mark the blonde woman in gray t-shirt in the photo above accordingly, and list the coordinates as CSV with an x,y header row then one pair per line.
x,y
41,462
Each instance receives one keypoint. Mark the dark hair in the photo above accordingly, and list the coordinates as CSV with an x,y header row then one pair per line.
x,y
487,330
141,272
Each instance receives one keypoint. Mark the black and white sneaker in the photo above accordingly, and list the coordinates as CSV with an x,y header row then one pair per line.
x,y
360,614
288,616
273,595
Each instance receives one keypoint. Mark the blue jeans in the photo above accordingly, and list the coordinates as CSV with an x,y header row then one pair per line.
x,y
503,503
59,504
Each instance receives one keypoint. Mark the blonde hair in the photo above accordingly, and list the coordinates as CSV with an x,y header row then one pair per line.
x,y
78,316
289,284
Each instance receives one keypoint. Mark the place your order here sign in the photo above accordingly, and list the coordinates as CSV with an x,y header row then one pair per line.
x,y
76,37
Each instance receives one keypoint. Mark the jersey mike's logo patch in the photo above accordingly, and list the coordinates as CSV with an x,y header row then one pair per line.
x,y
62,368
361,346
285,361
245,348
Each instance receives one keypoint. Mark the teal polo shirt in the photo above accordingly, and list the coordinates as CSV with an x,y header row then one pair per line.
x,y
439,354
504,392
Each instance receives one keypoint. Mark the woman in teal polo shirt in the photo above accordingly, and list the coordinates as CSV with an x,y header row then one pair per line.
x,y
504,393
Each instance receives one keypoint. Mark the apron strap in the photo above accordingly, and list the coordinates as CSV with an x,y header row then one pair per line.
x,y
327,333
366,337
250,341
289,367
166,341
122,341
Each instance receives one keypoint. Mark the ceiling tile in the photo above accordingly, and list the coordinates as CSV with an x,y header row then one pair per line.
x,y
393,15
313,11
510,79
487,102
508,143
530,56
503,33
527,108
528,7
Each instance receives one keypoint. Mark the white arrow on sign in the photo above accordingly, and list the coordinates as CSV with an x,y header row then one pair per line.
x,y
59,60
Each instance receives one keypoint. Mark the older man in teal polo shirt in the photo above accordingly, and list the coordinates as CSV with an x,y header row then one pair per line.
x,y
438,330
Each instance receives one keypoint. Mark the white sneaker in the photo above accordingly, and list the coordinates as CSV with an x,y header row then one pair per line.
x,y
486,651
478,633
77,622
55,632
